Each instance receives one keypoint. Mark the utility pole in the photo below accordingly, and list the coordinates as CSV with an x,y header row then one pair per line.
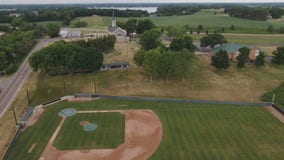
x,y
64,86
14,113
28,96
95,85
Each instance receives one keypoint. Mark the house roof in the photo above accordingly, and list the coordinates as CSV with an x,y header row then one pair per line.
x,y
229,47
112,29
115,64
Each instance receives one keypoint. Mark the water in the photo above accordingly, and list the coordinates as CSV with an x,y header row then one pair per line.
x,y
148,9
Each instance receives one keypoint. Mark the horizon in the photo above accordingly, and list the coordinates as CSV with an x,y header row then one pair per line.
x,y
64,2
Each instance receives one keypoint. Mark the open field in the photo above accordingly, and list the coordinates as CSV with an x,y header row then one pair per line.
x,y
109,133
190,131
94,22
204,82
211,21
248,39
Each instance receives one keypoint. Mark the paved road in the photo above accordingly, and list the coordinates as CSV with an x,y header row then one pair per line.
x,y
9,93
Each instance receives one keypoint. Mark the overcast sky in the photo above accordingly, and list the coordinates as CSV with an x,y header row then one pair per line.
x,y
124,1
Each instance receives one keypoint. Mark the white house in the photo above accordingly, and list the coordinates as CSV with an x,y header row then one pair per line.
x,y
115,30
65,33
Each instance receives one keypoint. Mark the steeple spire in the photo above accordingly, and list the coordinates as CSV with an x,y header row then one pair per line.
x,y
113,23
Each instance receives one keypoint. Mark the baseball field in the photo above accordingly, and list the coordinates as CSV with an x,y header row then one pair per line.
x,y
152,130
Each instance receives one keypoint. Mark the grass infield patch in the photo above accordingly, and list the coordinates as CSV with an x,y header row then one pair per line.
x,y
108,134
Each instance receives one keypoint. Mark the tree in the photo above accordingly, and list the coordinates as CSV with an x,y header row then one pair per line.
x,y
173,31
139,57
243,57
177,44
221,60
270,28
67,20
278,57
200,27
232,27
151,62
184,61
144,25
150,39
212,40
260,60
52,30
131,25
276,12
185,42
17,21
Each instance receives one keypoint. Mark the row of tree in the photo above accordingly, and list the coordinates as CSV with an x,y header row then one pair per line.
x,y
221,59
164,63
176,10
254,13
134,25
104,44
67,14
62,57
158,60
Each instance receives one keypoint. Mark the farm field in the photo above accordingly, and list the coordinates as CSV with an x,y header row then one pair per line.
x,y
210,21
190,131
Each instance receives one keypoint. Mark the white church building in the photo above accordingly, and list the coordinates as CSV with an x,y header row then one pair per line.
x,y
117,31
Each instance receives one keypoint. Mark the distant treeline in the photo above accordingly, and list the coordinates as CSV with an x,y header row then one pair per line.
x,y
67,14
255,13
176,10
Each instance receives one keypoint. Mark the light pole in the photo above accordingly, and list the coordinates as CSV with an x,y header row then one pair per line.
x,y
64,86
14,113
28,96
95,85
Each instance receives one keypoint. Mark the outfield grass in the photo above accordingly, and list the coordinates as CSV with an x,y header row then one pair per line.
x,y
190,131
109,132
211,21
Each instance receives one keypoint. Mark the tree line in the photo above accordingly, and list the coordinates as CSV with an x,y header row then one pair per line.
x,y
176,10
253,13
63,57
67,14
134,25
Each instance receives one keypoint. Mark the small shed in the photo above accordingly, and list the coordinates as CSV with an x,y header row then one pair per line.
x,y
116,65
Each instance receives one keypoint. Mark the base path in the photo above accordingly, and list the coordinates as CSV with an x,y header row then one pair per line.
x,y
143,134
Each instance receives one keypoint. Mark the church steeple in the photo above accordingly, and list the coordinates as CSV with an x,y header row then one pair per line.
x,y
113,23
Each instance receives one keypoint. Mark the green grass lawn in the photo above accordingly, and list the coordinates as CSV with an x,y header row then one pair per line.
x,y
109,132
211,21
60,23
190,131
249,39
279,96
94,22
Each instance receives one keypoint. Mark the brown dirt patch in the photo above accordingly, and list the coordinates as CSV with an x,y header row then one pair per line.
x,y
143,134
275,113
34,118
84,123
32,148
83,99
